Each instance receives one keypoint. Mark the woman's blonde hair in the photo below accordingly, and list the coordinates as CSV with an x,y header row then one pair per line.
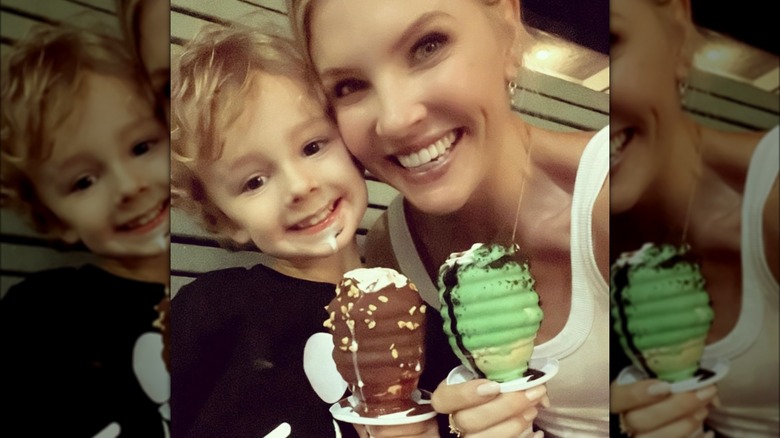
x,y
300,19
129,13
42,78
209,81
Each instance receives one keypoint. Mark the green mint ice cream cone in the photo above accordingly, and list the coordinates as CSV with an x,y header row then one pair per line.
x,y
490,310
661,310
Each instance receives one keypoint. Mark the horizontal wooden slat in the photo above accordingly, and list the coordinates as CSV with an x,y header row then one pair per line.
x,y
6,282
185,25
546,108
18,16
106,5
718,124
274,5
380,193
28,259
562,90
177,282
730,111
734,90
198,259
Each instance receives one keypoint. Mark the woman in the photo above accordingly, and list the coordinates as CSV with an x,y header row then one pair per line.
x,y
421,93
146,26
706,188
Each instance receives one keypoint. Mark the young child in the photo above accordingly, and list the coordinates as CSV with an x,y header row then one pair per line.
x,y
86,161
258,161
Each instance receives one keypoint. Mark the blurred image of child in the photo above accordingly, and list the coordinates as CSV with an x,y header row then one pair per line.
x,y
85,159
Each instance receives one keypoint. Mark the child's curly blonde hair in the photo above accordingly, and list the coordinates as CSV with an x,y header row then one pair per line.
x,y
208,81
42,78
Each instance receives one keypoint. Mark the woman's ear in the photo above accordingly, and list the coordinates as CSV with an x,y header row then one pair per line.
x,y
681,15
510,14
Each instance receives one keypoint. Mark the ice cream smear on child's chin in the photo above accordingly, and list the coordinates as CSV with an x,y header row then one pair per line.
x,y
331,240
326,238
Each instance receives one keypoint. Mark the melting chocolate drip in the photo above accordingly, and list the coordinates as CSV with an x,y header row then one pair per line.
x,y
450,280
621,282
535,374
672,261
500,262
419,409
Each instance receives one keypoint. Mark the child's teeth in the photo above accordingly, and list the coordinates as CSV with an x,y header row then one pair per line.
x,y
317,219
145,219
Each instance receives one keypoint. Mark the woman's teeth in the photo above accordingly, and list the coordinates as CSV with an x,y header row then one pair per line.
x,y
430,153
617,143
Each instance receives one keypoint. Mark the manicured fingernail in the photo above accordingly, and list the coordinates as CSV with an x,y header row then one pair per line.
x,y
536,392
704,394
659,388
700,415
545,401
489,388
716,401
529,414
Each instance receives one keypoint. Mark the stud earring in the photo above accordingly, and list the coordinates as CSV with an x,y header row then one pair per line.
x,y
512,88
682,91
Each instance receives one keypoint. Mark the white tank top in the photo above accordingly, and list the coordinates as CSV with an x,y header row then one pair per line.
x,y
749,392
579,394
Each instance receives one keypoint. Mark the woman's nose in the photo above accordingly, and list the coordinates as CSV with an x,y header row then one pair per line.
x,y
398,111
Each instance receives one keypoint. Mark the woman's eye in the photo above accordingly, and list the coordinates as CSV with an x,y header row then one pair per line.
x,y
312,148
82,183
346,87
141,148
254,183
428,46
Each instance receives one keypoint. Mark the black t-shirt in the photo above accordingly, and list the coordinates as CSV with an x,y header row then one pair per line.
x,y
238,338
70,338
439,361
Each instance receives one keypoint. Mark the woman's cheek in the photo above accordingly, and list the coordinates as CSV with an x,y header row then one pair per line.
x,y
355,131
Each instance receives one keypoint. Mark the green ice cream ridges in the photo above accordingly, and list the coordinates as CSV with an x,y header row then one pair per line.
x,y
661,311
490,310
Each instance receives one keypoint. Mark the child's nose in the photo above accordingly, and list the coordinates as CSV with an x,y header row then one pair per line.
x,y
131,182
301,181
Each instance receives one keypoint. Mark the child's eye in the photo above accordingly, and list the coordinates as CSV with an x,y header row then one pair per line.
x,y
312,148
346,87
254,183
82,183
428,46
142,148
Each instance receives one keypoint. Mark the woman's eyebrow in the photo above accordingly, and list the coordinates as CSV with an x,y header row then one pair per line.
x,y
409,33
413,29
